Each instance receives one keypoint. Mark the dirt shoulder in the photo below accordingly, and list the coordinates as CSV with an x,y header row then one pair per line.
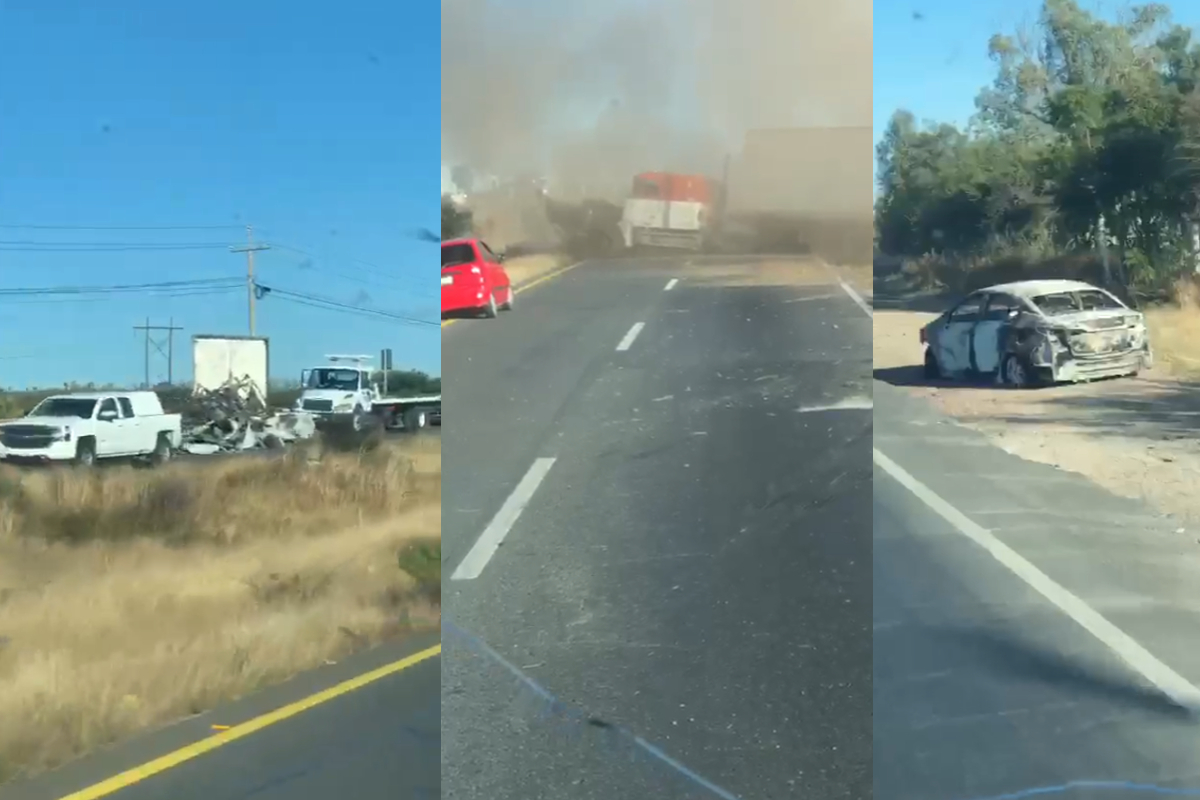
x,y
131,598
1135,437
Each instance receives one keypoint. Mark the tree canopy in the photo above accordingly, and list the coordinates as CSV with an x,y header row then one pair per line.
x,y
456,220
1091,127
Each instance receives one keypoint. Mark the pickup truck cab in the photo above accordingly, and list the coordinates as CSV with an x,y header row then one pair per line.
x,y
85,426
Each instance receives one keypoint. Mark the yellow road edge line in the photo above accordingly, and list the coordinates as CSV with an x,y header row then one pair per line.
x,y
548,276
526,287
163,763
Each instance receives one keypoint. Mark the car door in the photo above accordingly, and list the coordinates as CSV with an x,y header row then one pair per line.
x,y
493,272
953,341
133,433
111,429
997,315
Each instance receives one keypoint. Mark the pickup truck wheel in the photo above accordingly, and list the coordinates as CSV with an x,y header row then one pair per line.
x,y
162,450
85,453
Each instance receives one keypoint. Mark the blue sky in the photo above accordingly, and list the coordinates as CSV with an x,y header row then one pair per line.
x,y
936,65
318,123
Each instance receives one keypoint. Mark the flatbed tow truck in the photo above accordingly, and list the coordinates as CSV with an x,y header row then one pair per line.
x,y
346,391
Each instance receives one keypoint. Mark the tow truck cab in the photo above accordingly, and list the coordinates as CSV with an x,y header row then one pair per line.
x,y
346,388
343,386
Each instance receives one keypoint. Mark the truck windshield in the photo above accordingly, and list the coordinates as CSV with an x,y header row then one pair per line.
x,y
64,407
329,378
454,255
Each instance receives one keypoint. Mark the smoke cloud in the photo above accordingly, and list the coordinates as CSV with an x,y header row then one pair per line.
x,y
589,93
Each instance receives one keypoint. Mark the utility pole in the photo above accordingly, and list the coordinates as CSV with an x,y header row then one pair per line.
x,y
166,348
250,248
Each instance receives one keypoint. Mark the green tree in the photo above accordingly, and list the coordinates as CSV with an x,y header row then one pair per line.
x,y
1090,128
456,220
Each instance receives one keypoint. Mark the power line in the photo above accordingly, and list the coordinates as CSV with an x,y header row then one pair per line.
x,y
120,288
33,242
67,247
165,294
11,226
354,278
335,305
354,310
365,266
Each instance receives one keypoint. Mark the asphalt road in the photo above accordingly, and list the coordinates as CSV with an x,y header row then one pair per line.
x,y
982,686
694,565
380,741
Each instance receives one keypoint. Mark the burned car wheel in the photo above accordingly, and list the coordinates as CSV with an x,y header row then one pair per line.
x,y
1017,373
933,370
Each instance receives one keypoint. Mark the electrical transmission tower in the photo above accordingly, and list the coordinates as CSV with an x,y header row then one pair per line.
x,y
165,346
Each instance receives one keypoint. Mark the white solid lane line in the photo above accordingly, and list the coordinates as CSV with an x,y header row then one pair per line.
x,y
670,284
849,404
627,342
1168,681
857,298
493,535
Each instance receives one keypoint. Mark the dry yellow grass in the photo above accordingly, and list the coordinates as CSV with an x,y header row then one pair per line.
x,y
130,598
524,269
1175,331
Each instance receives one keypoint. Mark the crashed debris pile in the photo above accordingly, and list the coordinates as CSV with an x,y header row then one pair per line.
x,y
235,417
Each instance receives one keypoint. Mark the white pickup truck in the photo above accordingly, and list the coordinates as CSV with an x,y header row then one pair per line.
x,y
85,426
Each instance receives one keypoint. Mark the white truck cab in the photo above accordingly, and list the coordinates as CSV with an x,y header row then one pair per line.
x,y
346,387
83,427
343,386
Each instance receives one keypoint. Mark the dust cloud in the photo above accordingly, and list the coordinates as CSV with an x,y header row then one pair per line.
x,y
590,93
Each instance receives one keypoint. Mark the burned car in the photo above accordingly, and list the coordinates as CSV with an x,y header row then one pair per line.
x,y
1037,332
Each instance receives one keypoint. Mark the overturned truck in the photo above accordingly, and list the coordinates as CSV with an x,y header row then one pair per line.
x,y
800,190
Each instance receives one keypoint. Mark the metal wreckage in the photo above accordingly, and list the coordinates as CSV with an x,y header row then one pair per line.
x,y
235,417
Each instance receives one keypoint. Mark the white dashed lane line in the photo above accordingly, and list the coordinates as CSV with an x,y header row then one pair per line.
x,y
632,335
489,541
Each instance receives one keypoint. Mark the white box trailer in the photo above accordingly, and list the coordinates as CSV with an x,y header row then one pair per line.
x,y
815,173
222,361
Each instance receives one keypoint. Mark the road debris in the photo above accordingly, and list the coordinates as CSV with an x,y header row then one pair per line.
x,y
235,418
